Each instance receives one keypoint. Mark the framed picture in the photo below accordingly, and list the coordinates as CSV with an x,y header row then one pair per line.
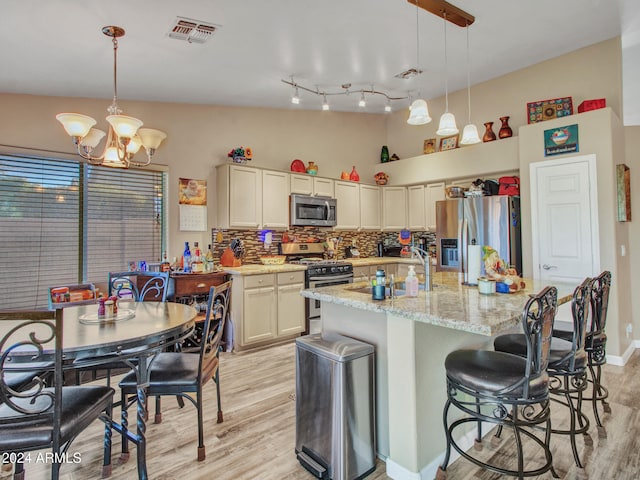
x,y
448,143
623,177
549,109
429,145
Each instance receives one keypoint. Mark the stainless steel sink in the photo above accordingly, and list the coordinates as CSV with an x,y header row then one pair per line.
x,y
400,289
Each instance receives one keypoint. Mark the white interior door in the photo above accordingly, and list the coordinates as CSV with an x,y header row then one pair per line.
x,y
565,219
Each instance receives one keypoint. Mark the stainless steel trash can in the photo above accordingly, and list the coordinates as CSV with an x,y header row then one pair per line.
x,y
335,406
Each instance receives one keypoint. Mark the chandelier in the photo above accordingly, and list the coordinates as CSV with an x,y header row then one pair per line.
x,y
125,136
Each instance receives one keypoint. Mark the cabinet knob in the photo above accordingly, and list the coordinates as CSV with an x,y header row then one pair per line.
x,y
201,285
260,281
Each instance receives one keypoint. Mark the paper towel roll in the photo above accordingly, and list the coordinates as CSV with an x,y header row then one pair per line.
x,y
474,268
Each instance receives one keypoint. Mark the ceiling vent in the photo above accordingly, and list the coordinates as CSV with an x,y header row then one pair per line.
x,y
192,31
407,74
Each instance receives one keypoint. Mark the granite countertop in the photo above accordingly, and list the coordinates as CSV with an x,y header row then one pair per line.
x,y
259,269
448,305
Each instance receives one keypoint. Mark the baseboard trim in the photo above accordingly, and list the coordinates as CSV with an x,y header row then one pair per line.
x,y
398,472
621,360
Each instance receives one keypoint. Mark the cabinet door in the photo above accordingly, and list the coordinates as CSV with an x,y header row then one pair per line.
x,y
347,196
260,311
394,208
290,309
434,192
416,208
245,197
275,199
370,207
302,184
323,187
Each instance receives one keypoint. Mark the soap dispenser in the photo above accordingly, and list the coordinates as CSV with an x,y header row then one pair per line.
x,y
411,282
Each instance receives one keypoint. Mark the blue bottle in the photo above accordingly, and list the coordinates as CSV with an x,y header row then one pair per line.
x,y
186,258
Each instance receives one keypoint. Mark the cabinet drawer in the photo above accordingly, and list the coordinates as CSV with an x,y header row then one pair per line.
x,y
287,278
256,281
196,284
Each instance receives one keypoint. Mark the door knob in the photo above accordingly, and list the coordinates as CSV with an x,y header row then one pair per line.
x,y
548,267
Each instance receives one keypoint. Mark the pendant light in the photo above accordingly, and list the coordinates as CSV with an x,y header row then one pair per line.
x,y
419,111
447,125
470,133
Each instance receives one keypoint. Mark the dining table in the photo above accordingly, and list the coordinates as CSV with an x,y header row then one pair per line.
x,y
134,334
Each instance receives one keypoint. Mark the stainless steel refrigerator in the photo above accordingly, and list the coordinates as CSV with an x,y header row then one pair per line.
x,y
490,220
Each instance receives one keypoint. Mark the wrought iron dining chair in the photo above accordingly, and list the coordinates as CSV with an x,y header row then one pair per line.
x,y
139,286
133,286
595,346
567,368
32,415
182,373
506,390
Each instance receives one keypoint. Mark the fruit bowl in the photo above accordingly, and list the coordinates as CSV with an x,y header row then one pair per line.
x,y
273,259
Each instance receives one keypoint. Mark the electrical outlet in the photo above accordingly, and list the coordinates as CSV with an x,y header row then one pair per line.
x,y
629,329
623,250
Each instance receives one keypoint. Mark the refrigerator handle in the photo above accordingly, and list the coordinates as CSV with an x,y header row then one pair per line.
x,y
462,250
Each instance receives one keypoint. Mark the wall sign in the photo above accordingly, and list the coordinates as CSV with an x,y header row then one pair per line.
x,y
561,140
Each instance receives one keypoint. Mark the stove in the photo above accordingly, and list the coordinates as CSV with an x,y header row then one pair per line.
x,y
320,272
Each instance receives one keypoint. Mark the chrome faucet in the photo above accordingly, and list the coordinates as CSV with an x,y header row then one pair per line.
x,y
425,259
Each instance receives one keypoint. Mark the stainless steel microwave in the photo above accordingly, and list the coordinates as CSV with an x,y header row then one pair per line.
x,y
312,211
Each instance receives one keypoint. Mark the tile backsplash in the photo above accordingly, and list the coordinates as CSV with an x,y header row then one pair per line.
x,y
253,240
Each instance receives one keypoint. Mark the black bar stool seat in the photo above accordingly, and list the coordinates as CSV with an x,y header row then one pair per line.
x,y
494,374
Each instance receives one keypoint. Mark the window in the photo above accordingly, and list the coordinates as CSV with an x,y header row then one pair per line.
x,y
65,222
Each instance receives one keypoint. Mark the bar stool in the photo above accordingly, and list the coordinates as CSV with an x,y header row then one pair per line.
x,y
506,390
595,346
567,367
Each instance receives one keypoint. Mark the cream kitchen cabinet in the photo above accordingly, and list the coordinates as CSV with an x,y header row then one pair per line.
x,y
347,196
434,192
416,208
275,199
291,316
239,195
267,308
323,187
252,198
394,208
311,185
370,207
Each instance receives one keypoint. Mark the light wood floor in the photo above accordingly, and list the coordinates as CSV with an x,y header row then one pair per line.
x,y
256,440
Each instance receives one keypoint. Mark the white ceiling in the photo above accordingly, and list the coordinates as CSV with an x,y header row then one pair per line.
x,y
56,47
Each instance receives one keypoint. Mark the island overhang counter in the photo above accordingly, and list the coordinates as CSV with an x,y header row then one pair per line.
x,y
412,337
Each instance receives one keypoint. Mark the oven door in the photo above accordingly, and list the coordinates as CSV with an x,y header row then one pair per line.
x,y
313,306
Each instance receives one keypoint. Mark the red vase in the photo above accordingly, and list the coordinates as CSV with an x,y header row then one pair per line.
x,y
354,177
488,136
505,130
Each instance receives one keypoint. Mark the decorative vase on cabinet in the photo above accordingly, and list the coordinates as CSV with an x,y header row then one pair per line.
x,y
354,177
312,169
505,129
488,136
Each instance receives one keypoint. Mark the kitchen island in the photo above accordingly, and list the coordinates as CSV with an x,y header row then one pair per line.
x,y
412,337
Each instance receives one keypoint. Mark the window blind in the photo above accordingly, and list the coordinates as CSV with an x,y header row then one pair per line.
x,y
64,222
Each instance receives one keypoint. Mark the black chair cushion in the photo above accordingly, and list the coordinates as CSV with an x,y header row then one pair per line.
x,y
489,372
17,379
559,354
80,407
597,340
168,372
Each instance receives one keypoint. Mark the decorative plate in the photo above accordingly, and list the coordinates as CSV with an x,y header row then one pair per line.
x,y
298,166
